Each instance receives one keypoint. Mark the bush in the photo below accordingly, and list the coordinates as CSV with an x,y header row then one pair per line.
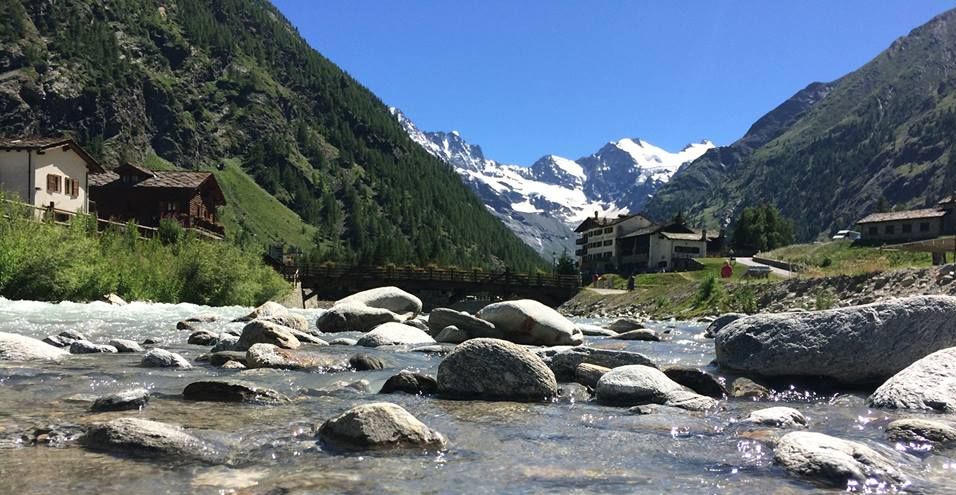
x,y
824,300
743,300
709,293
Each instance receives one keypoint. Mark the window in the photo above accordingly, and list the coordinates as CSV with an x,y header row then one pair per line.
x,y
71,187
609,230
907,228
52,183
874,231
924,227
687,249
609,242
890,229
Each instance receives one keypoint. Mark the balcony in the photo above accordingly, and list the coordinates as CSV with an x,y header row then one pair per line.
x,y
581,241
580,252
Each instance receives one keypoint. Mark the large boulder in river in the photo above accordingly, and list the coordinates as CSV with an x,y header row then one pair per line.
x,y
441,318
268,309
265,332
379,425
832,462
144,438
495,369
527,321
271,356
395,334
637,384
722,321
855,345
391,298
14,347
289,319
355,318
927,384
564,363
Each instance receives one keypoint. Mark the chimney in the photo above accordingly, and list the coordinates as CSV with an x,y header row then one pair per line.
x,y
703,235
595,214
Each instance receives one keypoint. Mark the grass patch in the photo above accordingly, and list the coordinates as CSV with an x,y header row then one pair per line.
x,y
842,258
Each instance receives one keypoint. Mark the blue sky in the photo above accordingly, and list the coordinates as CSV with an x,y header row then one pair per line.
x,y
528,78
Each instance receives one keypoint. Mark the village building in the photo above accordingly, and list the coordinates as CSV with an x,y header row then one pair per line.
x,y
631,244
895,227
134,193
49,173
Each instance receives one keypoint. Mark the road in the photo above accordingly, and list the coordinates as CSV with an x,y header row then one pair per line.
x,y
776,271
607,292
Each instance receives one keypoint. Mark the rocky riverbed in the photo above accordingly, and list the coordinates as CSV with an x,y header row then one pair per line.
x,y
530,402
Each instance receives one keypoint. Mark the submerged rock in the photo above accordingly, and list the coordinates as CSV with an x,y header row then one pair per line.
x,y
133,399
270,356
264,332
527,321
365,362
697,380
395,334
625,325
922,431
14,347
224,390
161,358
144,438
123,345
781,417
564,363
855,345
391,298
833,462
87,347
410,383
495,370
341,388
927,384
380,425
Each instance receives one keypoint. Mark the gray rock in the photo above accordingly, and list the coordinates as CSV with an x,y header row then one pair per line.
x,y
410,383
87,347
417,323
473,327
395,334
144,438
268,309
271,356
57,341
222,357
589,374
203,337
529,322
72,335
442,348
289,320
927,384
625,325
922,431
697,380
495,370
565,362
780,417
233,365
14,347
380,425
224,390
264,332
354,318
185,325
341,388
595,331
721,322
746,388
391,298
124,345
452,335
133,399
637,384
833,462
307,338
113,299
225,342
343,341
365,362
161,358
645,334
854,345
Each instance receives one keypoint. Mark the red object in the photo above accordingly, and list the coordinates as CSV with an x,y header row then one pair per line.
x,y
726,271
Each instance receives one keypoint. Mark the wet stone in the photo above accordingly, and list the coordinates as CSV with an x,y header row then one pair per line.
x,y
410,383
161,358
697,380
365,362
231,391
202,337
133,399
222,357
87,347
145,438
380,425
124,345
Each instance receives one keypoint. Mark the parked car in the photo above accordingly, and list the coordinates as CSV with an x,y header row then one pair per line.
x,y
846,234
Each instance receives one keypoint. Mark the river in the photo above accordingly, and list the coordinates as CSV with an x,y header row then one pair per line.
x,y
568,445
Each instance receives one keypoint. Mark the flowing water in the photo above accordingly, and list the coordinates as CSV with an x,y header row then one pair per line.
x,y
566,446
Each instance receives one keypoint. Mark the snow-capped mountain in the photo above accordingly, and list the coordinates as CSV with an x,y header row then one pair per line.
x,y
543,203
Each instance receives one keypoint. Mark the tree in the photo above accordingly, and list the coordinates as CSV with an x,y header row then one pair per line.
x,y
566,265
761,228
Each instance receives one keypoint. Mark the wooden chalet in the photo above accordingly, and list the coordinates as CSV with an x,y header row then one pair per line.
x,y
131,192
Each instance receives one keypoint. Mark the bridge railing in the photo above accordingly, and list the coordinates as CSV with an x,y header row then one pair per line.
x,y
507,278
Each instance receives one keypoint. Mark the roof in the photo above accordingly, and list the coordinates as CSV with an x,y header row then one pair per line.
x,y
683,236
592,222
891,216
45,143
157,179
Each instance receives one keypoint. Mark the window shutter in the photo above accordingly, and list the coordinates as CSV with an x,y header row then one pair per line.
x,y
50,183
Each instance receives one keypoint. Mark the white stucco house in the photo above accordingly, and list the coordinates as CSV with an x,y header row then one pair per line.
x,y
47,172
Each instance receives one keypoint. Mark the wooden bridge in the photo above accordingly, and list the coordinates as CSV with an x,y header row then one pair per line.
x,y
436,286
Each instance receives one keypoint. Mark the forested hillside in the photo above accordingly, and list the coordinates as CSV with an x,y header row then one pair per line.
x,y
883,131
202,83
